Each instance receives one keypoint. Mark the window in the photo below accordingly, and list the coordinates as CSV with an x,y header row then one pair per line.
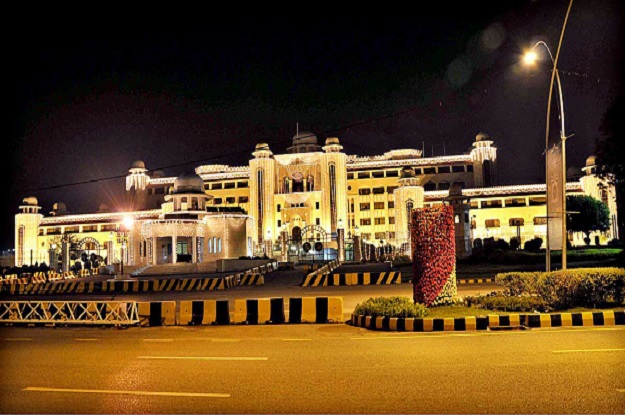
x,y
243,184
429,186
516,222
443,186
366,236
391,220
517,201
230,200
207,187
538,200
391,205
378,190
495,203
380,235
278,208
378,205
365,222
279,223
429,170
540,220
363,175
444,169
492,223
350,176
229,185
391,235
475,205
351,207
217,186
243,199
380,221
470,168
365,206
418,170
377,174
392,173
318,221
317,205
390,189
217,201
159,191
364,191
457,169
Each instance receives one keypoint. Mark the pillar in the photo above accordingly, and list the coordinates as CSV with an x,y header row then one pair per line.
x,y
52,259
284,247
174,252
340,233
153,252
65,255
194,249
357,251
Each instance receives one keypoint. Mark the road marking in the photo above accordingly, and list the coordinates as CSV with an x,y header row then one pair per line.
x,y
159,340
225,340
426,336
621,390
18,339
588,350
296,340
122,392
86,340
213,358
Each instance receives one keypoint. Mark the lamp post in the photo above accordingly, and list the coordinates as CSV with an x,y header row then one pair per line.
x,y
122,237
530,59
340,233
268,249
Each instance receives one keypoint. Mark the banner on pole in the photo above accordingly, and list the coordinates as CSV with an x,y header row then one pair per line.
x,y
555,198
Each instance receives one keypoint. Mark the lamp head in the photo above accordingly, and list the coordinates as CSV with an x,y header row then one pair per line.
x,y
128,222
530,57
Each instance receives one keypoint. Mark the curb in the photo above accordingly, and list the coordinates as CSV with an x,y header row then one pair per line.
x,y
475,281
584,319
354,278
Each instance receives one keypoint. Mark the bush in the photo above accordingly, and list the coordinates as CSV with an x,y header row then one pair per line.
x,y
501,244
391,307
533,245
477,243
505,302
582,287
614,243
514,244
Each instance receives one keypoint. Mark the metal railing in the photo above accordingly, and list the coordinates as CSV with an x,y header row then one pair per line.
x,y
70,312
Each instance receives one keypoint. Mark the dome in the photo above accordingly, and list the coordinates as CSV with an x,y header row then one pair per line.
x,y
138,164
591,161
262,146
304,137
332,140
481,136
59,207
30,201
188,182
158,174
407,172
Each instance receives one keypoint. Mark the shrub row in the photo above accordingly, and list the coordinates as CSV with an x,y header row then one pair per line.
x,y
582,287
506,302
391,307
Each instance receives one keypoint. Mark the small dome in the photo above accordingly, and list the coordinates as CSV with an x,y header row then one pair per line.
x,y
59,207
138,164
304,137
188,182
103,208
481,136
591,161
262,146
332,140
30,201
407,172
158,173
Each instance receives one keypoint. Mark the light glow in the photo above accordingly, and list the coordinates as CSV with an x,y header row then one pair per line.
x,y
530,58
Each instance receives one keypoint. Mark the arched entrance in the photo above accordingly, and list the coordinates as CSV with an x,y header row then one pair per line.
x,y
309,245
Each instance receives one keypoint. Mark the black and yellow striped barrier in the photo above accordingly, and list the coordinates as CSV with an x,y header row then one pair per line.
x,y
259,311
355,278
157,313
476,281
250,279
492,321
204,312
316,310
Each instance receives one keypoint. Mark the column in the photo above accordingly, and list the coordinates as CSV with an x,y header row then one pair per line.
x,y
65,254
174,252
194,249
340,233
284,246
153,242
357,251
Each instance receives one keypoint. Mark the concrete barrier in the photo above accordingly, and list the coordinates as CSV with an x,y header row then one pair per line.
x,y
259,311
157,313
206,312
353,278
316,310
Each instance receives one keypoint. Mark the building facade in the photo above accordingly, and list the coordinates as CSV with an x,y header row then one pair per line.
x,y
279,201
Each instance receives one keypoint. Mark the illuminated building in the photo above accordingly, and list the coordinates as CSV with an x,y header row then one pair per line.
x,y
306,194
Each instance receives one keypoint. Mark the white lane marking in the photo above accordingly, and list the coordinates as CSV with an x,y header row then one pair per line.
x,y
621,390
18,339
426,336
123,392
296,340
159,340
86,340
588,350
213,358
225,340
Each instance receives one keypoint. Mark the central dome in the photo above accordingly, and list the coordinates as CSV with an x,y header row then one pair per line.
x,y
304,137
188,182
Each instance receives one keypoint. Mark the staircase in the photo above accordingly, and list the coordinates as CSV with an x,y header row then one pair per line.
x,y
176,269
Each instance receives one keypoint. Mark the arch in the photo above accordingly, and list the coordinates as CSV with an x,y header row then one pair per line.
x,y
88,240
444,185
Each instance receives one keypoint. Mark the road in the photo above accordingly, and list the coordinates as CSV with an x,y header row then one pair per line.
x,y
310,369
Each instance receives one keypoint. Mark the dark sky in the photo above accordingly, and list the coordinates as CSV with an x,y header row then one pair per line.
x,y
90,93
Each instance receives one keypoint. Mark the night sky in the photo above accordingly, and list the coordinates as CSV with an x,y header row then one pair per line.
x,y
89,93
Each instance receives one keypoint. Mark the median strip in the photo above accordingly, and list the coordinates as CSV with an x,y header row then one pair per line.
x,y
210,358
123,392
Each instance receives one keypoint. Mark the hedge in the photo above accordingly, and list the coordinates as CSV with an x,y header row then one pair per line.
x,y
391,307
581,287
506,302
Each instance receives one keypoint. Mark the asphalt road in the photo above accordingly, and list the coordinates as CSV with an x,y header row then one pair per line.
x,y
310,369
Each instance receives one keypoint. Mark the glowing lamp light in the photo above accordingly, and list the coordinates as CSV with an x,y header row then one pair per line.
x,y
53,246
530,58
128,222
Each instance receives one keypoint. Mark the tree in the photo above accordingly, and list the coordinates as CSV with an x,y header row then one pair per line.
x,y
609,150
589,215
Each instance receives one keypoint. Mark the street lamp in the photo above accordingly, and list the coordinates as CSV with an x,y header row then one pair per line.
x,y
127,224
530,58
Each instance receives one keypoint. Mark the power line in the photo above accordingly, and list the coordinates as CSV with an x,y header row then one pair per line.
x,y
234,153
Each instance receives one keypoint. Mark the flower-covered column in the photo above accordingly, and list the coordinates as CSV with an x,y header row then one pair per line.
x,y
434,255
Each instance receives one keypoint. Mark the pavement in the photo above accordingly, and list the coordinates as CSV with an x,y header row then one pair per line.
x,y
310,369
